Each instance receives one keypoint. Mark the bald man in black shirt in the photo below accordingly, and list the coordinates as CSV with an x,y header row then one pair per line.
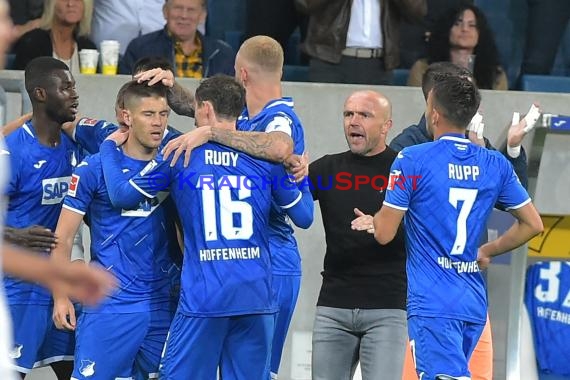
x,y
361,310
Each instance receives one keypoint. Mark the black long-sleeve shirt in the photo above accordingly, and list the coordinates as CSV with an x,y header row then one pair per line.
x,y
358,271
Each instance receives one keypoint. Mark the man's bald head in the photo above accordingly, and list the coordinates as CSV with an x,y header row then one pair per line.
x,y
382,102
367,118
262,53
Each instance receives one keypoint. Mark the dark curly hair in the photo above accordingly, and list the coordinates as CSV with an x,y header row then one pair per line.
x,y
487,63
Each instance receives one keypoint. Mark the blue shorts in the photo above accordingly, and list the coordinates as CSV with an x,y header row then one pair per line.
x,y
286,291
118,345
240,346
37,342
442,346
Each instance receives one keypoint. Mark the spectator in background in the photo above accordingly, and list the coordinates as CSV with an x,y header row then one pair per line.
x,y
414,37
356,41
65,25
462,36
26,15
125,20
547,22
192,54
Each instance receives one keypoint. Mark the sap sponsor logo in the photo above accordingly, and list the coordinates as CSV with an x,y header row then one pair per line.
x,y
54,190
146,207
16,352
73,185
87,368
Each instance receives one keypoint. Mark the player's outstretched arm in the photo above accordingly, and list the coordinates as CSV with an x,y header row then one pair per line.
x,y
386,223
11,126
295,200
67,227
302,213
88,285
127,192
273,146
527,225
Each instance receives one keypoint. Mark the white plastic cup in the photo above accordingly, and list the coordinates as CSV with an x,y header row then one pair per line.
x,y
109,56
88,59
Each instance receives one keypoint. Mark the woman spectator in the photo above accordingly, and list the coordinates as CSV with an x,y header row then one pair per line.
x,y
463,37
65,25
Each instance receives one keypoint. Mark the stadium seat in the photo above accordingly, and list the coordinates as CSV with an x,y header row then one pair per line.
x,y
545,83
401,77
295,73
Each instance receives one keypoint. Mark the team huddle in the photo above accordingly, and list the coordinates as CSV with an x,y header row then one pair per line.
x,y
208,270
223,304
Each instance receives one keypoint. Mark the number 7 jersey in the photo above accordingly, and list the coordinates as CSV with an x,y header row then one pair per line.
x,y
448,189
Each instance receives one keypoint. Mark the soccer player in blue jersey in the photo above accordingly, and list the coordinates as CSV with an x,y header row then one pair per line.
x,y
89,133
547,300
268,128
443,190
129,327
226,313
41,163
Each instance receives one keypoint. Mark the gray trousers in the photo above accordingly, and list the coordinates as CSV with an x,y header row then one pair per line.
x,y
375,337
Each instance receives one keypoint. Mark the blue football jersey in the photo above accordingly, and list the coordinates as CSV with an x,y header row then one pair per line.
x,y
134,244
39,181
547,299
448,188
90,133
224,201
279,115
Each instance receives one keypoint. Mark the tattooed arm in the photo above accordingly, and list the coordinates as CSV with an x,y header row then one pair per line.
x,y
181,100
273,146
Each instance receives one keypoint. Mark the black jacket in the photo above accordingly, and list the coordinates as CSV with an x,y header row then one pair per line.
x,y
37,43
218,57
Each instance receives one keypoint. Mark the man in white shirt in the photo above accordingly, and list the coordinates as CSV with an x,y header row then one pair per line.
x,y
124,20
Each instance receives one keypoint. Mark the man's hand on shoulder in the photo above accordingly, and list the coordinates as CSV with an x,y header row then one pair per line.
x,y
186,143
119,136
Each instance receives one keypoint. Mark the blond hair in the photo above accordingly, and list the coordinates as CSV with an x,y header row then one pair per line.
x,y
263,52
84,27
